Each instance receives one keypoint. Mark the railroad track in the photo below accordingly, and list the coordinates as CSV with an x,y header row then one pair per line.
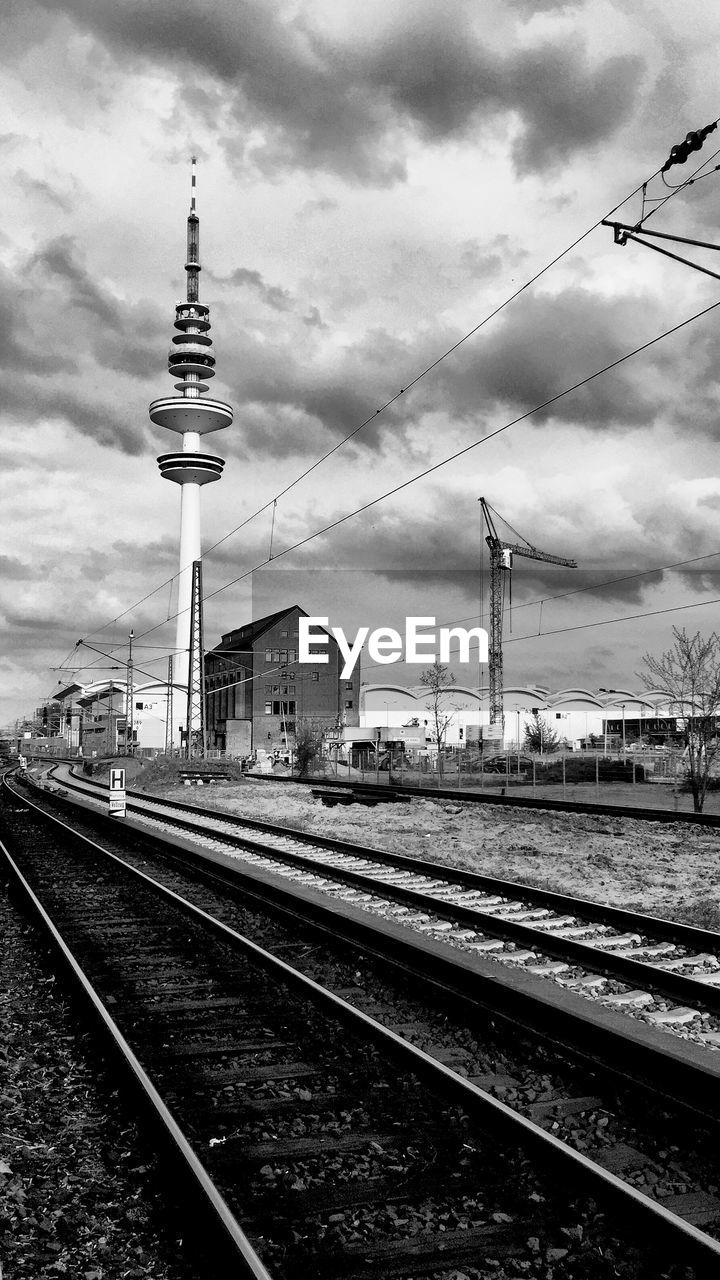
x,y
663,973
369,793
559,1112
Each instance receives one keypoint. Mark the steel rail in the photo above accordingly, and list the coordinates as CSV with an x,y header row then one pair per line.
x,y
692,935
236,1246
632,1205
634,1051
593,957
641,813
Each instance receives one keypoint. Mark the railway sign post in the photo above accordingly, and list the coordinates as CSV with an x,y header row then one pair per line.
x,y
117,793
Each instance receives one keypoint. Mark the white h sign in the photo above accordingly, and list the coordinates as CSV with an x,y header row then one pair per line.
x,y
117,793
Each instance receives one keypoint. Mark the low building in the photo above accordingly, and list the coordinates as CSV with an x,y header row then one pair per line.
x,y
258,692
91,720
610,718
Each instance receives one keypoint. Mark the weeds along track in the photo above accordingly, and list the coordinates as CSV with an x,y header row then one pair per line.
x,y
661,973
374,1133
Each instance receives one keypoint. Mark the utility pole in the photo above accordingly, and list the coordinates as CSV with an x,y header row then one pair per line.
x,y
169,712
129,736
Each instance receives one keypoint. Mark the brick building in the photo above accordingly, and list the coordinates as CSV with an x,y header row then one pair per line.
x,y
257,692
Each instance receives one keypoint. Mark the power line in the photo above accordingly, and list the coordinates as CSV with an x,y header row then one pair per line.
x,y
467,449
460,342
391,400
451,458
598,586
607,622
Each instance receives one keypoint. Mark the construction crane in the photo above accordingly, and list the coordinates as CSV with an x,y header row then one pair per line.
x,y
501,555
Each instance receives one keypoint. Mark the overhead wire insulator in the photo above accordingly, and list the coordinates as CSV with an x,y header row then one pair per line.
x,y
693,142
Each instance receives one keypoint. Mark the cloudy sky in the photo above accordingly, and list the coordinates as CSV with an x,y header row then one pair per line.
x,y
375,180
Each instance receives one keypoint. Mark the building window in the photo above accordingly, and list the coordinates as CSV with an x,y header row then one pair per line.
x,y
283,635
315,675
268,708
348,703
291,690
268,655
348,684
292,655
282,707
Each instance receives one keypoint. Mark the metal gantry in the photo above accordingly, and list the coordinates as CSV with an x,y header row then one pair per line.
x,y
195,742
501,555
623,231
169,713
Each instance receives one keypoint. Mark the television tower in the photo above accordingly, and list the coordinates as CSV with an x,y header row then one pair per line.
x,y
191,416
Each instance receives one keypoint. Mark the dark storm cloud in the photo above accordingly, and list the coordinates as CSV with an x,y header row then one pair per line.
x,y
36,186
337,392
568,106
409,549
271,295
341,105
58,259
546,344
34,402
55,320
541,346
275,297
18,345
527,8
14,570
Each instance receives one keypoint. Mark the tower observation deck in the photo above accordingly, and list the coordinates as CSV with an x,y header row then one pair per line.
x,y
192,416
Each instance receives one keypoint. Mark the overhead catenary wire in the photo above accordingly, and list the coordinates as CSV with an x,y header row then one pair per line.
x,y
434,364
392,399
450,458
460,342
459,453
607,622
595,586
540,634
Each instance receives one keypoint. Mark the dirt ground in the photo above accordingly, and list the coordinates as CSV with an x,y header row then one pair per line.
x,y
670,870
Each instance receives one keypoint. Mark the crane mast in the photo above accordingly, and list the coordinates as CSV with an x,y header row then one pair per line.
x,y
501,554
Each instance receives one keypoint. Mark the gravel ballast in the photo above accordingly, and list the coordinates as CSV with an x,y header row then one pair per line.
x,y
80,1196
669,870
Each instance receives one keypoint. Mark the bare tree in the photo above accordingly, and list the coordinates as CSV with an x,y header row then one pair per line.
x,y
689,676
439,682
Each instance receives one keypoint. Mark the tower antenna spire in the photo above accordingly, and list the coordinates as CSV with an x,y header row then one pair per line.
x,y
192,265
191,415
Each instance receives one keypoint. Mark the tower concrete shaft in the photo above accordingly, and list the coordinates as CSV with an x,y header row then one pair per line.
x,y
192,416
